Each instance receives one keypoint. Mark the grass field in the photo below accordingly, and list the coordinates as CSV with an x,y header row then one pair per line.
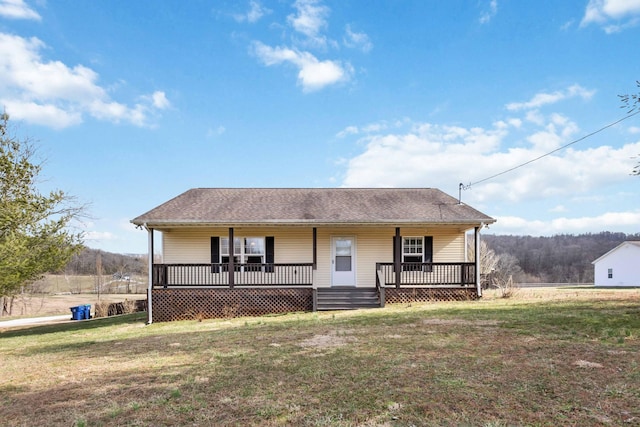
x,y
544,357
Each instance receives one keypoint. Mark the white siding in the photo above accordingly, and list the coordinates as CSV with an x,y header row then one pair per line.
x,y
624,262
292,245
295,245
182,246
448,243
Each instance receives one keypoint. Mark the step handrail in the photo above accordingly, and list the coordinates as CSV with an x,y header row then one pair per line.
x,y
380,285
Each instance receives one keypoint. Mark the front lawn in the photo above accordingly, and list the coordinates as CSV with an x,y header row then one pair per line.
x,y
559,357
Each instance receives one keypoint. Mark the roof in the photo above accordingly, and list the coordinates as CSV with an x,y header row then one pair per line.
x,y
217,206
632,243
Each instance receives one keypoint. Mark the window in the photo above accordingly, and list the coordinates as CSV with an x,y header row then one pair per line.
x,y
343,254
247,250
610,273
412,249
415,252
258,251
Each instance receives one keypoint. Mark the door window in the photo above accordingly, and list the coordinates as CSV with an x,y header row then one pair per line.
x,y
343,255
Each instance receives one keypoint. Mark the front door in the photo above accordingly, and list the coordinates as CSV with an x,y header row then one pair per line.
x,y
343,271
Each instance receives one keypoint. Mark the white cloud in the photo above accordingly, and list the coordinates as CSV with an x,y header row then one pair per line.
x,y
53,94
623,221
373,127
310,19
46,115
97,236
559,208
441,156
491,11
313,74
542,99
567,25
357,40
17,9
349,130
255,12
625,13
211,133
554,134
160,100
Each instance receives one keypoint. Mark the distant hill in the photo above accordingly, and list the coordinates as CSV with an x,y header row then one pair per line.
x,y
85,262
563,258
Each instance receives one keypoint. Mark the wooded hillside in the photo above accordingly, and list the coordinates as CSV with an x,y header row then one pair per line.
x,y
563,258
86,262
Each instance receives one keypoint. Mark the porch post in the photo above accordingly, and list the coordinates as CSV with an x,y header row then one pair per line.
x,y
150,277
232,252
397,257
314,289
477,260
315,248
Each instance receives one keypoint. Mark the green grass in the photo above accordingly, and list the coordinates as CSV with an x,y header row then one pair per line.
x,y
490,363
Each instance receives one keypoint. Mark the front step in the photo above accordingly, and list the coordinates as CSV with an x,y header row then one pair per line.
x,y
346,298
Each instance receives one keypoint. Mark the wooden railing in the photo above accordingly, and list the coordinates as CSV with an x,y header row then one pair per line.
x,y
259,275
428,274
380,285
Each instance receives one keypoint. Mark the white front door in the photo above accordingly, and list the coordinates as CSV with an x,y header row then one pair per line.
x,y
343,261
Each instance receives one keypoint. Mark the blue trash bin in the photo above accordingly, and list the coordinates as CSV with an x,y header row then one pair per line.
x,y
77,313
87,311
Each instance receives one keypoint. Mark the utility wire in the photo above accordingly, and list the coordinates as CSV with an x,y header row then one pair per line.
x,y
468,186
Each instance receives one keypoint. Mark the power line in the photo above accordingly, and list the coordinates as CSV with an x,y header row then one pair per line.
x,y
466,187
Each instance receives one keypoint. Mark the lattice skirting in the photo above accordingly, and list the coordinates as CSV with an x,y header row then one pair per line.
x,y
184,304
407,295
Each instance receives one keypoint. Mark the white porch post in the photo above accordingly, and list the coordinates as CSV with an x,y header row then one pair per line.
x,y
477,259
150,287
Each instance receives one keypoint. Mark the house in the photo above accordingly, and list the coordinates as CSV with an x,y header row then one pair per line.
x,y
619,267
251,251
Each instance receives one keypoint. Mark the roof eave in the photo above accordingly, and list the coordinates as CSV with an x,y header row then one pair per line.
x,y
198,223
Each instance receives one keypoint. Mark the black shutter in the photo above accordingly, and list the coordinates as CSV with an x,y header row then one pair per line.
x,y
269,255
215,254
428,252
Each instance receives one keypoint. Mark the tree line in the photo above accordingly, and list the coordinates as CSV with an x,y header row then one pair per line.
x,y
563,258
89,261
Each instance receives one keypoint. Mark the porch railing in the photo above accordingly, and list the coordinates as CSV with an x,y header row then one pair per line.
x,y
251,274
428,274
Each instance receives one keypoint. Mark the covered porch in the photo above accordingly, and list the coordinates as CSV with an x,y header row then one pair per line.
x,y
193,291
247,252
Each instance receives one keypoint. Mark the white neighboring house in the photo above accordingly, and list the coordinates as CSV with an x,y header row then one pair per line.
x,y
619,267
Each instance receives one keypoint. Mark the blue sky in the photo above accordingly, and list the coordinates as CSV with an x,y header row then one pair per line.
x,y
130,103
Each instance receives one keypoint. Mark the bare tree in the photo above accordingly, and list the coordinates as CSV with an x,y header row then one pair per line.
x,y
631,102
98,273
497,271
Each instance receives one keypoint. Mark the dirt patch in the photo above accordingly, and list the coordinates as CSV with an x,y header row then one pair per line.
x,y
586,364
460,322
330,340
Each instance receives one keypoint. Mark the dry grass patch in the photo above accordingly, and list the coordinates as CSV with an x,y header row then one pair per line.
x,y
542,360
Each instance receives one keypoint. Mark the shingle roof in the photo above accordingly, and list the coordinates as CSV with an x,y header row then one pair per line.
x,y
210,206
